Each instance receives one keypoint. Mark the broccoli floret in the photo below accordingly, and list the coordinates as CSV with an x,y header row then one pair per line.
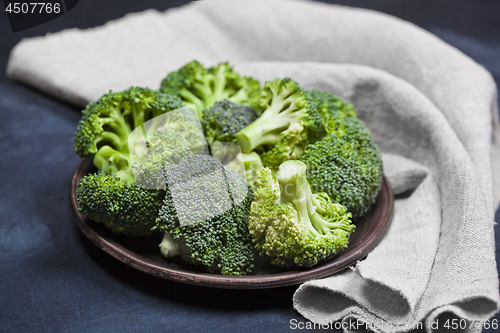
x,y
347,165
327,102
203,87
184,122
289,122
291,225
330,108
205,215
113,162
223,120
112,196
130,210
104,129
166,147
253,164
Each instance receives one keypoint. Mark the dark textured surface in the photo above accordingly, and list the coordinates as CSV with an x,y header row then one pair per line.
x,y
53,279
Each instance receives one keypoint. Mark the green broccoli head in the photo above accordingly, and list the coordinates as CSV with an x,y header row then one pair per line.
x,y
112,196
187,124
106,124
132,207
288,123
330,108
130,210
205,216
166,147
223,120
203,87
110,119
347,165
291,225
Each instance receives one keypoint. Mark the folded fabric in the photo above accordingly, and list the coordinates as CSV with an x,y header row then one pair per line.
x,y
428,106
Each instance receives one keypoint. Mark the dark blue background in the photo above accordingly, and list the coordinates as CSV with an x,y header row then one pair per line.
x,y
53,279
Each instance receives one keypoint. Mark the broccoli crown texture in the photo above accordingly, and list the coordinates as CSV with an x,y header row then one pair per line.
x,y
184,122
203,87
291,225
106,124
166,147
205,215
331,108
130,210
223,120
347,165
110,119
288,123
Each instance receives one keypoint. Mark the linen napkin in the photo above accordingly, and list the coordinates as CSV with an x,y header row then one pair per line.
x,y
428,106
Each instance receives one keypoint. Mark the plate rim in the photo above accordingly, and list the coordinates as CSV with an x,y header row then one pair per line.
x,y
292,277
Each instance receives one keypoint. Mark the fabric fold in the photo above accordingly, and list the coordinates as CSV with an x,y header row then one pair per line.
x,y
429,108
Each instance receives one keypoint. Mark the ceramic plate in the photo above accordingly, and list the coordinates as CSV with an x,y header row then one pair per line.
x,y
144,254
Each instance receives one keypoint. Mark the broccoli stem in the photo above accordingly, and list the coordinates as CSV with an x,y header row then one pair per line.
x,y
221,92
254,137
120,126
168,247
111,161
192,98
220,82
240,97
157,123
205,92
295,189
302,204
111,138
253,164
139,113
266,130
325,226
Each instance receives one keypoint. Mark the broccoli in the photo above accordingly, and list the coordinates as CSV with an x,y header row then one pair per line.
x,y
166,147
103,132
112,197
205,215
330,108
183,121
253,164
347,165
288,123
223,120
155,173
291,225
203,87
130,210
113,162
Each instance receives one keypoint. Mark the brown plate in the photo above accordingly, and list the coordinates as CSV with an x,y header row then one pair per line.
x,y
144,254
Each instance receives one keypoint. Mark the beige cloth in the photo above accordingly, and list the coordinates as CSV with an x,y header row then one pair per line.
x,y
428,106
